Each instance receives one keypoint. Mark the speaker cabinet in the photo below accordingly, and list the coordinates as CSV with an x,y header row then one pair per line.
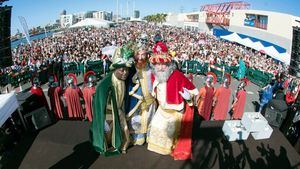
x,y
38,119
295,64
294,69
5,46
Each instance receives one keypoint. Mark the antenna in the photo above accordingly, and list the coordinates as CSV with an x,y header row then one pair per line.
x,y
117,12
133,7
181,9
127,8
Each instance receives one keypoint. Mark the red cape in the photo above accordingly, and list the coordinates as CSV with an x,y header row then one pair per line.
x,y
72,97
222,96
175,83
88,93
239,106
205,101
54,94
38,91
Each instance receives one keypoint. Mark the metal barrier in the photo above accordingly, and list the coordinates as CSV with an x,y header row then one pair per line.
x,y
255,76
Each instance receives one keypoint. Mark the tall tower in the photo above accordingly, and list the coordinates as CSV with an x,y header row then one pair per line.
x,y
64,12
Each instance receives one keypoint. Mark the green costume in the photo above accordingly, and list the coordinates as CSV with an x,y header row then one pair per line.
x,y
104,91
105,95
242,69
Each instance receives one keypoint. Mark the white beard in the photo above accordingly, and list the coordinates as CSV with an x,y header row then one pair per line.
x,y
163,76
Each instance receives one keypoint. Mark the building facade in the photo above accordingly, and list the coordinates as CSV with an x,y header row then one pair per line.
x,y
267,28
136,14
66,20
103,15
273,27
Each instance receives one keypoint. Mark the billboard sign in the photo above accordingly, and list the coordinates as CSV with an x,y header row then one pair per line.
x,y
257,21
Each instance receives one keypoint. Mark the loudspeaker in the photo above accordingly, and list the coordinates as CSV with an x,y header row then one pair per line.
x,y
38,119
295,64
5,46
295,54
28,102
274,117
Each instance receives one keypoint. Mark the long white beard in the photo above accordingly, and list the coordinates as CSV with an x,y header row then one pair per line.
x,y
163,76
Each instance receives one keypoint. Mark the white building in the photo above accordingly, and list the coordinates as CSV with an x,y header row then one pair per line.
x,y
103,15
66,20
268,28
278,28
79,16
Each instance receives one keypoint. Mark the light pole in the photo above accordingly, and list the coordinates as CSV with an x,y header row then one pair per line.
x,y
117,12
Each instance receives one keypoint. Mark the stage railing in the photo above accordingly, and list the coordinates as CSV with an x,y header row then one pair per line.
x,y
257,77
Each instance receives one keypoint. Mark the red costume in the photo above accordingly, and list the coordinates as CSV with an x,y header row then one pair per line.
x,y
292,94
38,91
72,95
222,96
54,93
205,99
176,82
171,103
221,99
88,92
239,106
240,100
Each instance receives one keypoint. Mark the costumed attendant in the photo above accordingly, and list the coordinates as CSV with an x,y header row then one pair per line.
x,y
54,94
238,105
292,92
38,91
72,95
242,69
88,92
265,95
222,98
172,124
142,104
109,130
205,97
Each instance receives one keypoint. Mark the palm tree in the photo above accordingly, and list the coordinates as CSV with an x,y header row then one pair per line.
x,y
156,18
161,18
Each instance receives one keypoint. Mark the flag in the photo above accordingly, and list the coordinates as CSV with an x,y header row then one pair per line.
x,y
25,28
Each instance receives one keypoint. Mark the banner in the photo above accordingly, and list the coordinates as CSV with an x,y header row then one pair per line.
x,y
25,28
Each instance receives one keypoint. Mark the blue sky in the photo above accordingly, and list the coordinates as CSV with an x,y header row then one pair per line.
x,y
41,12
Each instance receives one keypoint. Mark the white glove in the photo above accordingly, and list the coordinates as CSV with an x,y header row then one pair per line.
x,y
186,94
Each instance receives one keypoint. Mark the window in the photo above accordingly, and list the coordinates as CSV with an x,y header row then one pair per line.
x,y
257,21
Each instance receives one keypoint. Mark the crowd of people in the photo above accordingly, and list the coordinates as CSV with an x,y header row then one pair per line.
x,y
84,44
144,97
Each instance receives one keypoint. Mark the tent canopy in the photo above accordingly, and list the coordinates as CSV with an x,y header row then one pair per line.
x,y
234,37
92,22
257,45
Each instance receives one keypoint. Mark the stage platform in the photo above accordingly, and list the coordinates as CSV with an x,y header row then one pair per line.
x,y
66,145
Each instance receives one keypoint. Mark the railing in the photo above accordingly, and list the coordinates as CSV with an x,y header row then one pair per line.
x,y
255,76
22,77
191,66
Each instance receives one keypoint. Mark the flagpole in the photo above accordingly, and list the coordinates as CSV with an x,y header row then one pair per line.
x,y
117,11
45,31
